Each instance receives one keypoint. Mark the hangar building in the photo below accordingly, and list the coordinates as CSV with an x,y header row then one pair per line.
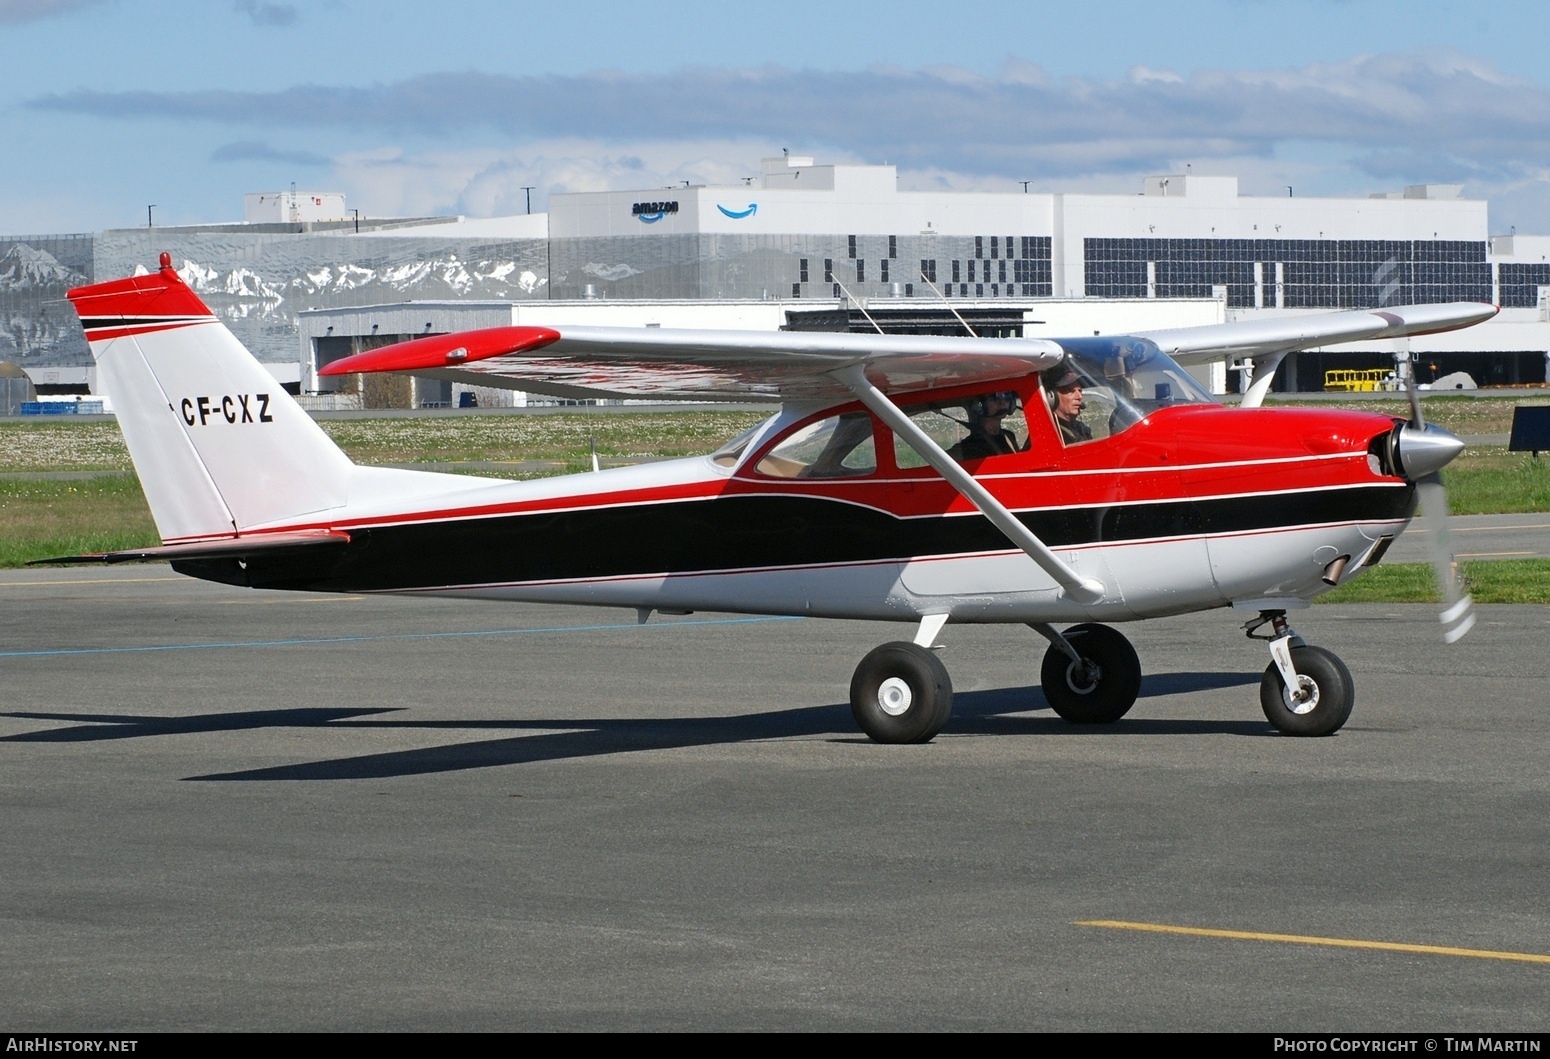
x,y
303,280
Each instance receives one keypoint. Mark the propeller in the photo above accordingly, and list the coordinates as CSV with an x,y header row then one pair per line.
x,y
1423,451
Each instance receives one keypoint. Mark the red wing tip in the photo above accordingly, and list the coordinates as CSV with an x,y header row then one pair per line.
x,y
440,351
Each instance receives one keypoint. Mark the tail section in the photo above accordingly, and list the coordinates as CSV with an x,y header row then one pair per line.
x,y
219,446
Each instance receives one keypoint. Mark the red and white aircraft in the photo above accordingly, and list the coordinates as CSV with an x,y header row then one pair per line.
x,y
914,479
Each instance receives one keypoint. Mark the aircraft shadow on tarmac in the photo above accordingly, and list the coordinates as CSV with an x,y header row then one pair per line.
x,y
998,711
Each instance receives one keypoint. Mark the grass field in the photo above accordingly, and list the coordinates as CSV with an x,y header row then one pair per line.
x,y
41,517
1491,581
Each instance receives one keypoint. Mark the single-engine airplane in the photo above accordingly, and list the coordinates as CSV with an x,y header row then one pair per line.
x,y
920,479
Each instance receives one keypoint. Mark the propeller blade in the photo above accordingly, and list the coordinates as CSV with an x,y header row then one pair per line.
x,y
1429,450
1457,615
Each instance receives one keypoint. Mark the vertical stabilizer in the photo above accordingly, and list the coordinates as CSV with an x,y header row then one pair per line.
x,y
219,446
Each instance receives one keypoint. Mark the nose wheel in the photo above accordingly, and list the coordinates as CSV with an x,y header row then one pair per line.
x,y
1305,690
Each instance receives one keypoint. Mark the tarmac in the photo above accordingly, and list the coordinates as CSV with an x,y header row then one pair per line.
x,y
231,810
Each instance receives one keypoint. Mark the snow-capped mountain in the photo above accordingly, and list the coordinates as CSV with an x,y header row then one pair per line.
x,y
26,267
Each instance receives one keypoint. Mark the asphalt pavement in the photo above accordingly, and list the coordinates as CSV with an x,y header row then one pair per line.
x,y
234,810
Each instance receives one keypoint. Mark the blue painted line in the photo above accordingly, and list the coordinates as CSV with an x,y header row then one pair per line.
x,y
390,636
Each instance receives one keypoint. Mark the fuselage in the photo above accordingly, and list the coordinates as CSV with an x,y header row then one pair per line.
x,y
1194,506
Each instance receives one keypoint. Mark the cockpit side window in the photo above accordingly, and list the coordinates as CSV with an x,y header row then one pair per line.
x,y
837,447
968,428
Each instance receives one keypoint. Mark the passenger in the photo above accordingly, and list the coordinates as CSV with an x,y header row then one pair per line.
x,y
1064,387
986,435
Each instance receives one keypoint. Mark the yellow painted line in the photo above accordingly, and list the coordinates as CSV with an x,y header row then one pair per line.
x,y
1307,939
269,602
1487,529
88,581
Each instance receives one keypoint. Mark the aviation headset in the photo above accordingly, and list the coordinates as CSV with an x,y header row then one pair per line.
x,y
979,406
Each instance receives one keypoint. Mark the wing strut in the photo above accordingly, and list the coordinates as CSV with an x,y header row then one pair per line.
x,y
1077,588
1264,373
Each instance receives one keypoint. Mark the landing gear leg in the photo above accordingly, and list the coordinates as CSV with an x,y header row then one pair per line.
x,y
1090,675
1305,690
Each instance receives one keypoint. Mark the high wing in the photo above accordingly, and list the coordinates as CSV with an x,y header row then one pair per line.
x,y
676,364
1283,334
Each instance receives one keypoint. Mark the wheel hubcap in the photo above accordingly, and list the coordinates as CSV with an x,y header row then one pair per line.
x,y
1306,699
1083,679
894,696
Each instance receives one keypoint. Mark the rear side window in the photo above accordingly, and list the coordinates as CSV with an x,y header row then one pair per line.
x,y
837,447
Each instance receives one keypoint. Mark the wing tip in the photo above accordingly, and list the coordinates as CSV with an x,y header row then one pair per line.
x,y
444,351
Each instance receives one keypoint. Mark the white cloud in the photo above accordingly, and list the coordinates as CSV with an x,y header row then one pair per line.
x,y
469,141
490,182
1145,74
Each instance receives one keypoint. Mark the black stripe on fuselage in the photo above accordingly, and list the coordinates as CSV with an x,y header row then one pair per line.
x,y
749,532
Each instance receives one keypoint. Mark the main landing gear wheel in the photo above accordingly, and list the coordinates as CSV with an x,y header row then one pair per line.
x,y
1322,701
1102,687
901,694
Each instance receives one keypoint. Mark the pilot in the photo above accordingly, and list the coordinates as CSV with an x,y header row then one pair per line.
x,y
986,435
1064,387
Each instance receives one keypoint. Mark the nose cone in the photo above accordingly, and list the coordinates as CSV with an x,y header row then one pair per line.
x,y
1425,451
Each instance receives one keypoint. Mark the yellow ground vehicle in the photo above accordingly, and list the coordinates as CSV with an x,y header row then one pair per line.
x,y
1354,380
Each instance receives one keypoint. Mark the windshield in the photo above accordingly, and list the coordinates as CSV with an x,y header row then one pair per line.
x,y
1105,385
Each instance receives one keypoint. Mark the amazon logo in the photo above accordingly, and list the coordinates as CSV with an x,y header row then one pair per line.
x,y
737,215
652,212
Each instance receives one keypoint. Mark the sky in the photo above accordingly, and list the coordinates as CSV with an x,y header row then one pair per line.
x,y
412,108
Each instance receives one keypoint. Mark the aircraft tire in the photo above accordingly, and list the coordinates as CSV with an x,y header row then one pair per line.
x,y
1101,694
1332,694
901,693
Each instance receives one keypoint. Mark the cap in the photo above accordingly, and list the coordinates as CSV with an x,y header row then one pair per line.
x,y
1062,378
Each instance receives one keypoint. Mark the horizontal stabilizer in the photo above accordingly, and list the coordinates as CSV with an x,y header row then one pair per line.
x,y
227,548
